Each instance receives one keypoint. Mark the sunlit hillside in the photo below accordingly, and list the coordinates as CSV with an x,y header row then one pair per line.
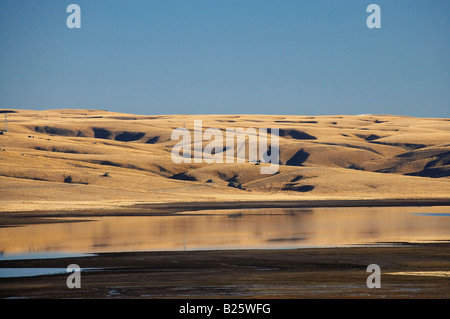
x,y
59,159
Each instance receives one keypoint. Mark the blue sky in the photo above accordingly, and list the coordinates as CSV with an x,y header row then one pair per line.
x,y
288,57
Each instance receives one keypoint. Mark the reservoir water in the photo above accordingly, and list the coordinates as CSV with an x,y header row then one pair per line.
x,y
228,229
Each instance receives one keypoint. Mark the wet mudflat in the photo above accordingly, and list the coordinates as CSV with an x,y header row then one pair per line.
x,y
270,273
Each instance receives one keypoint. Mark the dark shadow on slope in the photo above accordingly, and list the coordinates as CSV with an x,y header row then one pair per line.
x,y
59,150
101,133
296,122
298,188
152,140
435,172
405,146
184,177
370,137
296,134
298,159
129,136
296,179
58,131
441,160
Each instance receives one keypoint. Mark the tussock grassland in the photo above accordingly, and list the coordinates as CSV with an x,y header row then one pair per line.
x,y
74,159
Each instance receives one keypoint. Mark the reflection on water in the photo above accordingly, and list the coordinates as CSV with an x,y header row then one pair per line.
x,y
31,272
27,272
231,229
40,255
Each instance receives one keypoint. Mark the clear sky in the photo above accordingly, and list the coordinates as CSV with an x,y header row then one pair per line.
x,y
293,57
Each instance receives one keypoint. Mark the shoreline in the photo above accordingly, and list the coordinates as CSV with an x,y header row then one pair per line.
x,y
162,208
407,271
17,218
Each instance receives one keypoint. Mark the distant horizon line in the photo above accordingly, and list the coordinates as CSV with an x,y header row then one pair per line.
x,y
13,110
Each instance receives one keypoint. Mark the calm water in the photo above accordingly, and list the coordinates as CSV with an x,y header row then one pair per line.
x,y
28,272
229,229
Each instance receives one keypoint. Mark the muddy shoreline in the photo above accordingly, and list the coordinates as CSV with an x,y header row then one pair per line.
x,y
170,208
278,273
407,270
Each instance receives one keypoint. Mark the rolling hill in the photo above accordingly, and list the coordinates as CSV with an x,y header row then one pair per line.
x,y
67,159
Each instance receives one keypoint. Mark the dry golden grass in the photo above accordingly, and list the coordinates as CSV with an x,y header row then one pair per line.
x,y
58,159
